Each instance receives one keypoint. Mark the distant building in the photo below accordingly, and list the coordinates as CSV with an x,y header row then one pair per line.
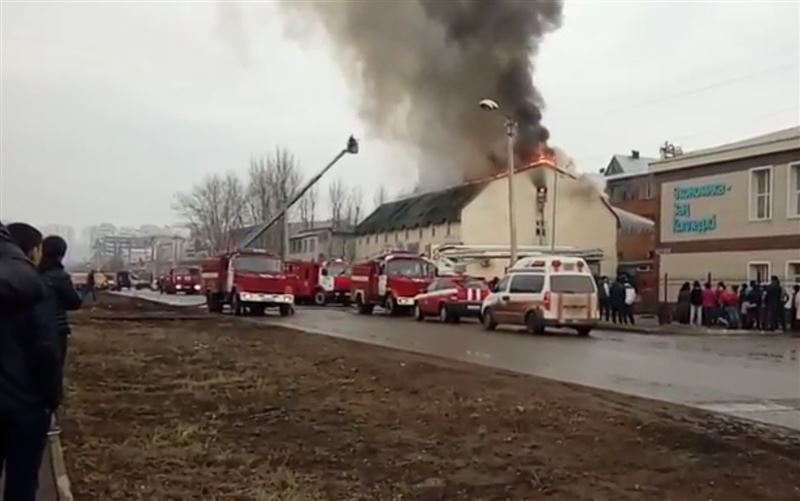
x,y
322,241
730,213
477,214
64,231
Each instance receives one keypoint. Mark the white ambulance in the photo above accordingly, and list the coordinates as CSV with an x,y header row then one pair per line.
x,y
544,291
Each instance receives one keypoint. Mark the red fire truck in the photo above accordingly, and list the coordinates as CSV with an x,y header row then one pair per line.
x,y
321,283
182,279
391,280
248,281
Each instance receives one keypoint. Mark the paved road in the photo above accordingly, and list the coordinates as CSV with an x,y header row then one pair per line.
x,y
754,377
747,376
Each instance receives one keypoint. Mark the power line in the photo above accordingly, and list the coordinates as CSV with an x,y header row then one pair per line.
x,y
713,85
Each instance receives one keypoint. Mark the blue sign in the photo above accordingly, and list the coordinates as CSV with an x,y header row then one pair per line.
x,y
682,196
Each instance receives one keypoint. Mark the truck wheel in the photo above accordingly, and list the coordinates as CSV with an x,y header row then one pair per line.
x,y
363,309
488,321
584,331
320,298
391,306
236,305
285,310
418,313
213,303
535,323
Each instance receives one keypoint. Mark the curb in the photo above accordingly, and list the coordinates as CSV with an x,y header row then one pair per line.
x,y
60,477
683,331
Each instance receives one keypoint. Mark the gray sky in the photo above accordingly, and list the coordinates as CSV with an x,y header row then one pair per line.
x,y
108,109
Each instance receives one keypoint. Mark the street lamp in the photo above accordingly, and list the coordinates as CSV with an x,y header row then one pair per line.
x,y
511,131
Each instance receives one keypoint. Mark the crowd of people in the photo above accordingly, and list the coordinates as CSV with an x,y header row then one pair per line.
x,y
35,293
617,300
747,306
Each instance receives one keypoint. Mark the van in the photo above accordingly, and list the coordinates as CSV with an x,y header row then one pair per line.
x,y
544,291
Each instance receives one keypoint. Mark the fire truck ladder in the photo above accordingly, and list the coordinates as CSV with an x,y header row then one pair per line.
x,y
352,148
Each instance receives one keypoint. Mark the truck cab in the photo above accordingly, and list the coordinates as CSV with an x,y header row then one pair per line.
x,y
248,282
184,279
391,281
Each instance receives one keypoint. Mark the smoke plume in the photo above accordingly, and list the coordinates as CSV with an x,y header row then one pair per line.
x,y
422,66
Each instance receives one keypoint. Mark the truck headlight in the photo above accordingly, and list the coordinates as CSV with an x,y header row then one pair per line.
x,y
197,287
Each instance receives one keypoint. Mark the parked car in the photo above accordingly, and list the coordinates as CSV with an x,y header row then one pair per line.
x,y
544,291
451,298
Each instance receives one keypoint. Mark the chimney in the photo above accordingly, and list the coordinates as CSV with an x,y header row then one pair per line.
x,y
634,153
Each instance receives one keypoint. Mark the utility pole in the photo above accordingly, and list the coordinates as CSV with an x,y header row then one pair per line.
x,y
511,129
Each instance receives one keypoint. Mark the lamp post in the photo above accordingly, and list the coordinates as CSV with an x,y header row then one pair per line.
x,y
511,132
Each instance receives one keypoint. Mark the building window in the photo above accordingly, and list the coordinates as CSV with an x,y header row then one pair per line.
x,y
386,237
648,190
312,245
433,231
793,200
760,193
447,231
792,273
540,228
396,236
759,271
420,234
407,232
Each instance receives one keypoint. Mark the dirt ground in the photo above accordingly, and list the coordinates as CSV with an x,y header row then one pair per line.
x,y
212,408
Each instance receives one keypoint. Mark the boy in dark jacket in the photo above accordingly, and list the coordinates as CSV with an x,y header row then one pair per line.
x,y
29,362
63,296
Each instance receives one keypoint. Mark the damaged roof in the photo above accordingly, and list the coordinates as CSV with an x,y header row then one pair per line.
x,y
436,207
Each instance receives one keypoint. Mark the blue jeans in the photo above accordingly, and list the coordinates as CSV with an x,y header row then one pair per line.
x,y
23,436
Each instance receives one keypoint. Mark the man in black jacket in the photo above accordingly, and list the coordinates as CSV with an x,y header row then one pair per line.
x,y
63,295
29,362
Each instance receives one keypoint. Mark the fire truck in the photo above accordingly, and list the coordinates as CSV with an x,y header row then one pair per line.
x,y
184,279
248,282
391,280
321,283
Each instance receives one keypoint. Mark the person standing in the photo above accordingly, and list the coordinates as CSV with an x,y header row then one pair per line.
x,y
604,293
64,297
29,362
617,300
754,302
796,309
774,300
709,305
90,286
696,312
730,304
683,308
630,300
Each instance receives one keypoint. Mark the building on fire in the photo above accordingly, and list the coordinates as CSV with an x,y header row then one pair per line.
x,y
556,208
730,213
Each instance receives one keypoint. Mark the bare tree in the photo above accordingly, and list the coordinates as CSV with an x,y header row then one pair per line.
x,y
212,209
355,205
260,205
379,197
307,207
337,197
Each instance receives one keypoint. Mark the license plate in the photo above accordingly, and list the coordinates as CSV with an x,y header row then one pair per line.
x,y
474,307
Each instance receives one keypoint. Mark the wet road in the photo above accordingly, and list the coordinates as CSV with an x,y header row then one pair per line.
x,y
170,299
754,377
747,376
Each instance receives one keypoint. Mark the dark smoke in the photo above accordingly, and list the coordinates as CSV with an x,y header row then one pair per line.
x,y
423,66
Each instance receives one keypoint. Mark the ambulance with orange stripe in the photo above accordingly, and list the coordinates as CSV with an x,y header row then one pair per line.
x,y
544,291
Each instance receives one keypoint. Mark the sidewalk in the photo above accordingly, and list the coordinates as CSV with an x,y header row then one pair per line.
x,y
648,324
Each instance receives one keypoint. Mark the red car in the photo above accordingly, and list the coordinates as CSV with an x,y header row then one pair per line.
x,y
450,298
